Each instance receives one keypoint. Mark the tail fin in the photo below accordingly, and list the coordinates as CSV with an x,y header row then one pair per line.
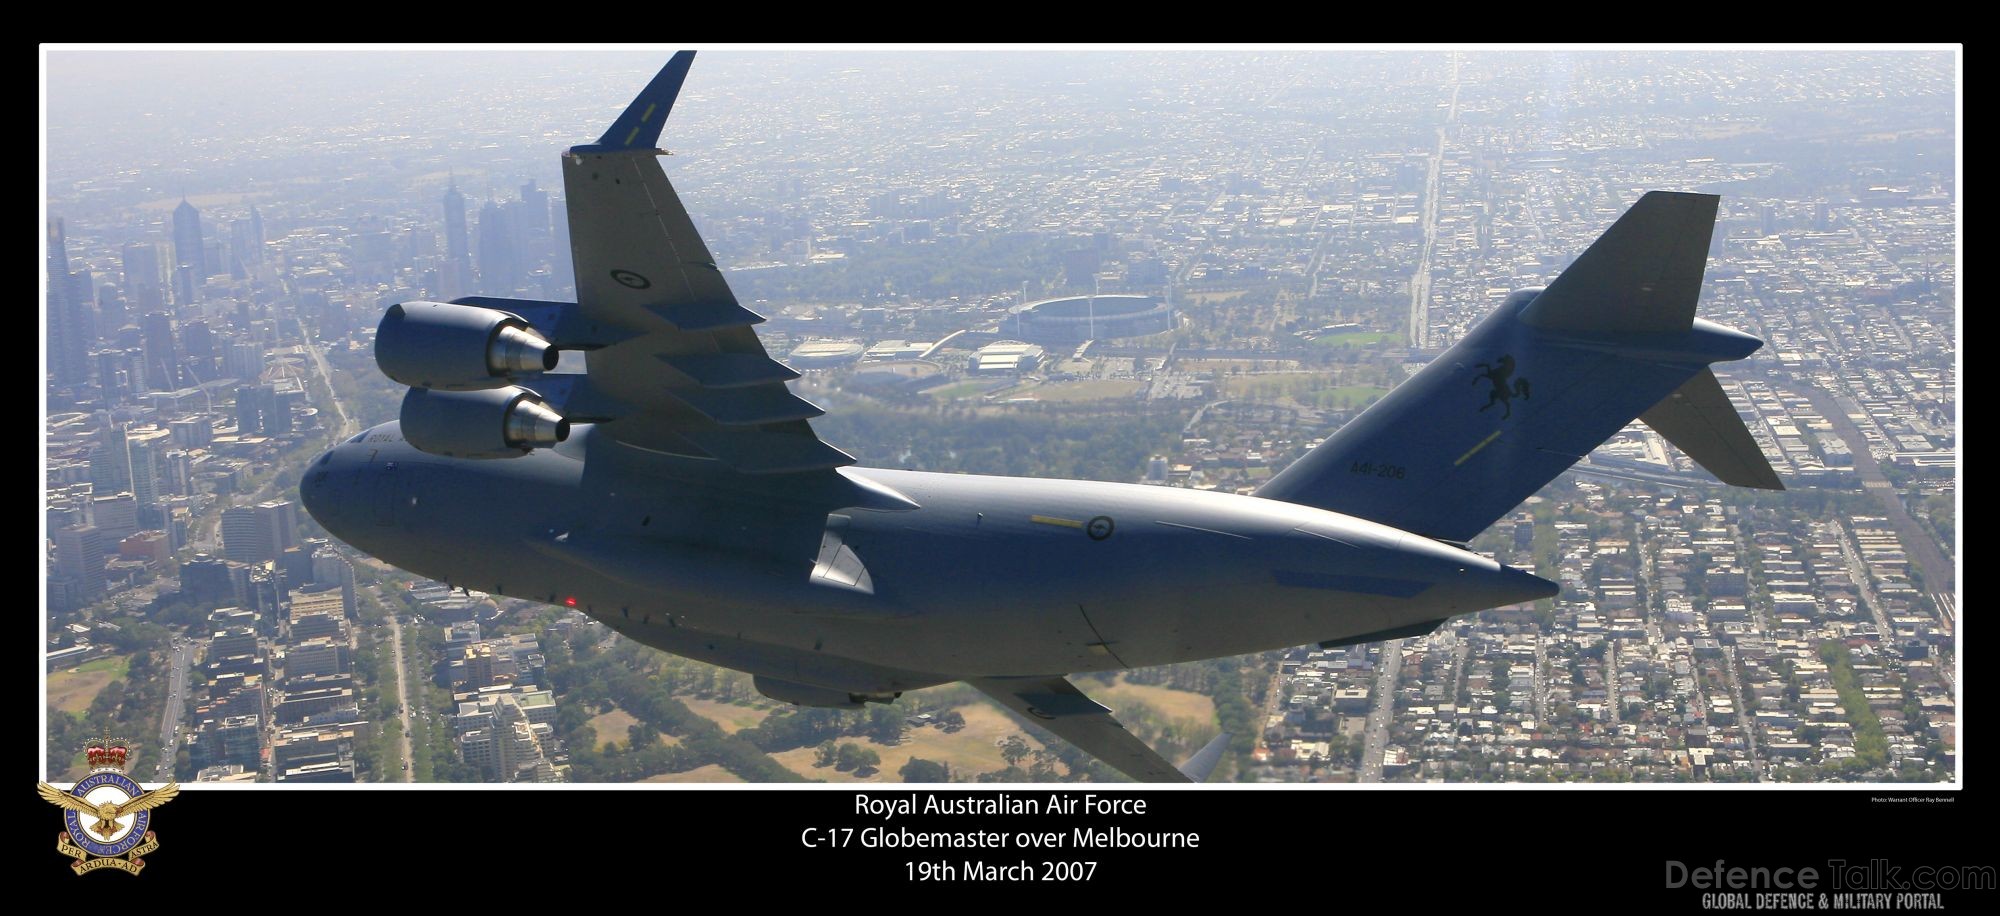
x,y
1543,380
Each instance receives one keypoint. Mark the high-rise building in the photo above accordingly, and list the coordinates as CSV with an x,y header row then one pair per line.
x,y
244,361
244,245
188,251
259,411
255,534
145,281
80,560
116,515
70,331
499,266
455,241
191,432
163,358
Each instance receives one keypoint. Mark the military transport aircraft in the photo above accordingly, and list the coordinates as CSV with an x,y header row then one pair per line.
x,y
676,491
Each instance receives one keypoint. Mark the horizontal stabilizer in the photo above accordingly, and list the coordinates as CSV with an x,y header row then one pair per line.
x,y
1699,420
1642,275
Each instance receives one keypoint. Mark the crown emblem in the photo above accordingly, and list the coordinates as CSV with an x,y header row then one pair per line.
x,y
106,754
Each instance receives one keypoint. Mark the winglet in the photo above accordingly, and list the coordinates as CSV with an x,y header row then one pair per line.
x,y
1197,768
639,127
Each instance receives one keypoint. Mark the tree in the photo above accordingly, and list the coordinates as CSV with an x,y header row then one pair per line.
x,y
867,761
825,754
847,758
920,770
1014,748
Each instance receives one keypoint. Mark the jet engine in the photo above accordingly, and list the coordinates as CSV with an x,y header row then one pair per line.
x,y
497,423
808,695
458,347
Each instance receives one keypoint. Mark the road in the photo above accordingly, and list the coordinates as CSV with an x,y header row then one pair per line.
x,y
1937,570
346,427
1386,675
1744,716
1420,282
170,720
402,700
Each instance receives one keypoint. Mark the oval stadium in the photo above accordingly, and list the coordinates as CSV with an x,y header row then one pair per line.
x,y
1074,319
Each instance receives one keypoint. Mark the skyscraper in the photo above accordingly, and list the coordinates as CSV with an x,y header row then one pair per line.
x,y
454,224
259,412
188,251
145,282
498,265
80,561
163,358
69,316
253,534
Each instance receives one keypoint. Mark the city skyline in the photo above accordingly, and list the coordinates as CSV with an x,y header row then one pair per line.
x,y
1319,224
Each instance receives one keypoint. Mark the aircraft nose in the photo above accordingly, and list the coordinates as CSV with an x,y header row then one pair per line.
x,y
317,490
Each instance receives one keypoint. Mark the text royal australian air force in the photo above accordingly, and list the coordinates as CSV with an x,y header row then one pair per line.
x,y
1002,803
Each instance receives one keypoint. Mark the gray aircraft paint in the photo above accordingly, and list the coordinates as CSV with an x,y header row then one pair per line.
x,y
692,508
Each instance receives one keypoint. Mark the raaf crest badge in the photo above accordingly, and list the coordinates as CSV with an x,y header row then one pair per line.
x,y
107,816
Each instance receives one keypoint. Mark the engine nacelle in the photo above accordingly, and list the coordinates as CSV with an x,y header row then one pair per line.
x,y
808,695
497,423
458,347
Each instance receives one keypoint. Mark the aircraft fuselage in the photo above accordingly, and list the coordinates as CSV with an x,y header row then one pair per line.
x,y
986,577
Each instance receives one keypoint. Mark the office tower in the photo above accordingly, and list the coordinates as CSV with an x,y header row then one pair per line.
x,y
145,281
70,331
188,251
254,534
498,265
80,561
163,357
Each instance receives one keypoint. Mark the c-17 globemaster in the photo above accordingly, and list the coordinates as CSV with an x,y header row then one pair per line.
x,y
675,489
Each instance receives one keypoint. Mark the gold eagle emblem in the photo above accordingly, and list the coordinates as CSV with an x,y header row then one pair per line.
x,y
107,814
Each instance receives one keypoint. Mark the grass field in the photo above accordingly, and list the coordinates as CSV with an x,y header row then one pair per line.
x,y
1211,298
1346,396
1247,365
1353,339
965,389
1174,704
1266,384
72,690
972,750
711,773
614,728
1299,386
731,717
1091,390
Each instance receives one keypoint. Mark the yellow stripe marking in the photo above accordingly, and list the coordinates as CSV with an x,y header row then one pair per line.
x,y
1052,520
648,116
1475,449
631,136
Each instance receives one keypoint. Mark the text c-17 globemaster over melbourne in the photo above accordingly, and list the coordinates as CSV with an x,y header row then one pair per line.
x,y
676,490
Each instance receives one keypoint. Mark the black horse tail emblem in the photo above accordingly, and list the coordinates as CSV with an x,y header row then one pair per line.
x,y
1499,375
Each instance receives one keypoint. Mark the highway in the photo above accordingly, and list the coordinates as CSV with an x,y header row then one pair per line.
x,y
1923,549
1388,670
170,719
402,702
1420,282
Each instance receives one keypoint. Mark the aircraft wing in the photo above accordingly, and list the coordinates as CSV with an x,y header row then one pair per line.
x,y
1055,704
677,368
